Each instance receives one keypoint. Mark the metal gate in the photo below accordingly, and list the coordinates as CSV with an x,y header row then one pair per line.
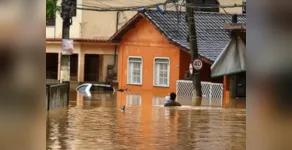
x,y
212,93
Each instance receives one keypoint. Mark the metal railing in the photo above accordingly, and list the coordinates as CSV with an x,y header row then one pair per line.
x,y
212,93
57,95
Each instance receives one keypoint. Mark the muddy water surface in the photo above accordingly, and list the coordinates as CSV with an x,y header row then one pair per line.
x,y
98,123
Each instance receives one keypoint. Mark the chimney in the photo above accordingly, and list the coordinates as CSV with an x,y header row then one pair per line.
x,y
234,19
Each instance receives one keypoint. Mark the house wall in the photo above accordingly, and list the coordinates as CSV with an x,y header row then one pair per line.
x,y
106,53
185,59
206,74
145,41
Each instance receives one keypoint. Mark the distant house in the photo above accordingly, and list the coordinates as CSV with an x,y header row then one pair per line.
x,y
154,51
231,63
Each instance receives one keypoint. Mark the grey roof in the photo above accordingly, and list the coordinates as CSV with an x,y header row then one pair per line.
x,y
211,36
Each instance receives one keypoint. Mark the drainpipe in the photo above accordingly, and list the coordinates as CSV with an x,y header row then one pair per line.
x,y
115,57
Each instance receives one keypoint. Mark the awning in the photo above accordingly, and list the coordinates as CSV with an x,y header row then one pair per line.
x,y
231,60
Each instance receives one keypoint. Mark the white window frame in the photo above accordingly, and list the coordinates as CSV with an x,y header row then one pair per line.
x,y
141,71
154,72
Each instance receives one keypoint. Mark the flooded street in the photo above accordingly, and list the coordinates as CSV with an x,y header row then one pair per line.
x,y
98,123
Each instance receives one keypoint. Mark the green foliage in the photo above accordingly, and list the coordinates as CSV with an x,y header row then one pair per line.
x,y
51,8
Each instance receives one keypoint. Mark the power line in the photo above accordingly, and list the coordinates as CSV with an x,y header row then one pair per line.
x,y
212,6
95,8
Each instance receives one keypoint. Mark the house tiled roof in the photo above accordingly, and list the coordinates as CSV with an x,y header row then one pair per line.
x,y
211,37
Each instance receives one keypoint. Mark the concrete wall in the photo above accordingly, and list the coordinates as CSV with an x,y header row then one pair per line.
x,y
98,25
237,10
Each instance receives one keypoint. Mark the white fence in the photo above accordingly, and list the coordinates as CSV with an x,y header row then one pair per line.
x,y
212,93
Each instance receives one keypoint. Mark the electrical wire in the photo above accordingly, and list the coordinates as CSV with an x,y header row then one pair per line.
x,y
97,4
98,7
212,6
93,8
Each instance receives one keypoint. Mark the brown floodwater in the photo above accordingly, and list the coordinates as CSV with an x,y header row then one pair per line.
x,y
97,123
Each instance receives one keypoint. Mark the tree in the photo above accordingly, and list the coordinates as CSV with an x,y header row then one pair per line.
x,y
51,8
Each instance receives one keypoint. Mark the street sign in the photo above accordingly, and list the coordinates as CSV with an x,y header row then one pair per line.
x,y
197,64
67,47
191,68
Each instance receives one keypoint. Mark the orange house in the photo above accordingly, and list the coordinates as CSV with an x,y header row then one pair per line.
x,y
154,51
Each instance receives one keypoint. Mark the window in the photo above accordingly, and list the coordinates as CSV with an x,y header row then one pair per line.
x,y
161,72
135,70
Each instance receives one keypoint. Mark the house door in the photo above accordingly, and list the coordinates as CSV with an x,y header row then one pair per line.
x,y
52,65
73,67
91,68
241,85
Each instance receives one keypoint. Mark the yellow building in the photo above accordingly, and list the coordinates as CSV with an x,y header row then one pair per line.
x,y
90,31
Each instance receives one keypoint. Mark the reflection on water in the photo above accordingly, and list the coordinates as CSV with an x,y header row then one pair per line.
x,y
158,100
97,123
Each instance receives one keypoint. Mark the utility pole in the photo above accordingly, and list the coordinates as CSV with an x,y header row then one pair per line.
x,y
194,52
66,14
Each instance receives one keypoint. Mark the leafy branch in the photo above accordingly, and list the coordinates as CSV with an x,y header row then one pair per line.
x,y
51,8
